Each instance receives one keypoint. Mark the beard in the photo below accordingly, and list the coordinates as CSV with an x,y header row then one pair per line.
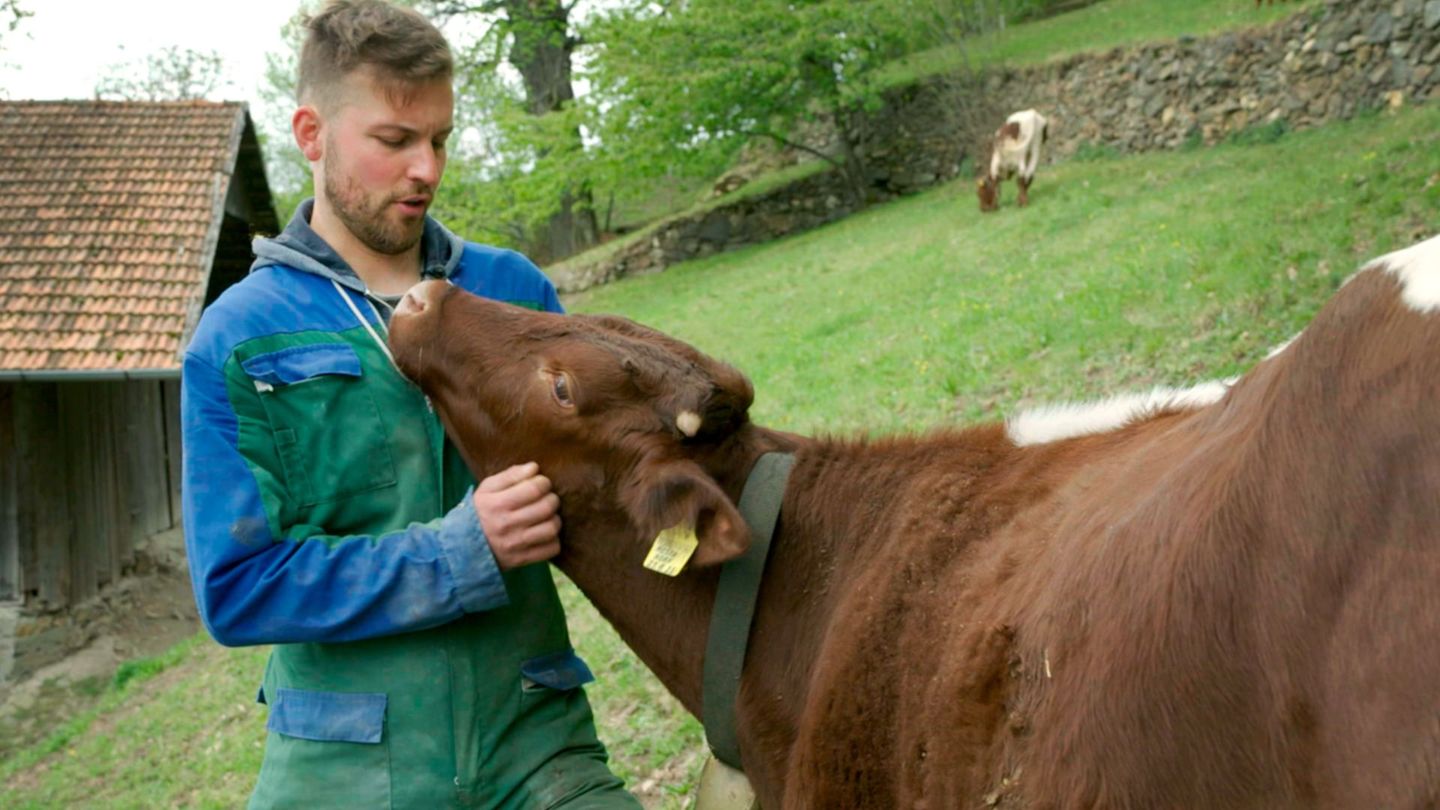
x,y
366,215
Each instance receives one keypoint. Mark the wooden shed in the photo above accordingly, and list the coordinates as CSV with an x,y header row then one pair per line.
x,y
119,221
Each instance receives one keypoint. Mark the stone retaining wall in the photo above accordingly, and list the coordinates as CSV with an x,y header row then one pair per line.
x,y
1326,63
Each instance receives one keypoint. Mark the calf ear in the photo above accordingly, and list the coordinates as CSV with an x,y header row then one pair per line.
x,y
664,495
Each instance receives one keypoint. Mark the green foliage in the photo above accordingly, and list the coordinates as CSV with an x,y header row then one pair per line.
x,y
1194,139
285,167
504,191
12,14
172,74
690,83
1261,133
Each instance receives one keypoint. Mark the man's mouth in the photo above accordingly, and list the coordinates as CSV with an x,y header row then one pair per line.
x,y
414,206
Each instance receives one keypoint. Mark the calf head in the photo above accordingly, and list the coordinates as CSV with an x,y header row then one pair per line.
x,y
617,415
988,190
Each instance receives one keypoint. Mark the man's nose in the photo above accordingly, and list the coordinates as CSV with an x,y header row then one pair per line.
x,y
427,166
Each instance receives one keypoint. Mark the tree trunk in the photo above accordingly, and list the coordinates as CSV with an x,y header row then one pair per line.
x,y
541,51
857,178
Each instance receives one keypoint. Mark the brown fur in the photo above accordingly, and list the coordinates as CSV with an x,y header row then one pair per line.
x,y
1232,606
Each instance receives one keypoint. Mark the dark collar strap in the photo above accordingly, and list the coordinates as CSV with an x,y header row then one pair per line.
x,y
735,604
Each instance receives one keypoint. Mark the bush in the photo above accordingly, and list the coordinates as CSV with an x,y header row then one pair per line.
x,y
1257,134
1090,150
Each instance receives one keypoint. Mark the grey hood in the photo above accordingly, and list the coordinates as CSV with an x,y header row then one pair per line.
x,y
298,246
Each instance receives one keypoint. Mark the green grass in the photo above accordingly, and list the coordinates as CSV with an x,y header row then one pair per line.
x,y
1124,272
1106,25
179,730
1160,268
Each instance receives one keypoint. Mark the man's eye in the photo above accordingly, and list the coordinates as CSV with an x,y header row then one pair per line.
x,y
562,390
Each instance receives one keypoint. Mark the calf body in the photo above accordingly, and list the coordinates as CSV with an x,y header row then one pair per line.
x,y
1015,154
1223,603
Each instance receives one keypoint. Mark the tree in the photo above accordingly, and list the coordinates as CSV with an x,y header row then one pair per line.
x,y
288,172
695,76
172,74
11,15
541,154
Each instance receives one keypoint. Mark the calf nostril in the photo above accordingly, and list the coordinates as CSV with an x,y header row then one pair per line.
x,y
411,303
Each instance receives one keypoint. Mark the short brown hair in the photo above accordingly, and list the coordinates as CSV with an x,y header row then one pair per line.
x,y
403,48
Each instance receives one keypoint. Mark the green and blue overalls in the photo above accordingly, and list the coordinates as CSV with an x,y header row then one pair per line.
x,y
326,513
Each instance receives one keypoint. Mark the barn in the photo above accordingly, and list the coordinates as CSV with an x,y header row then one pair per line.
x,y
119,222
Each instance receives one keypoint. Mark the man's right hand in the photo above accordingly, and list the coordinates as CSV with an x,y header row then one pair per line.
x,y
520,516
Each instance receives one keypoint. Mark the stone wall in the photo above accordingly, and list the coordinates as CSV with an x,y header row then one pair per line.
x,y
1325,63
792,208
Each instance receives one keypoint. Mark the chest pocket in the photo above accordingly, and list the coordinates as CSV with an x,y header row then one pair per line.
x,y
328,432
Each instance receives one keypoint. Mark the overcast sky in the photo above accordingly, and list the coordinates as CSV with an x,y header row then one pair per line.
x,y
64,50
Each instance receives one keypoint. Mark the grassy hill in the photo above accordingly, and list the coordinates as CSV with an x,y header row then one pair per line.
x,y
1111,24
1092,29
1163,268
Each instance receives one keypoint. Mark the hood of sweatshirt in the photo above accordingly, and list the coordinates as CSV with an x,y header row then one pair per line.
x,y
298,246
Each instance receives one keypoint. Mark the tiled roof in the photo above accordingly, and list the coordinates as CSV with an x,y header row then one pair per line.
x,y
109,215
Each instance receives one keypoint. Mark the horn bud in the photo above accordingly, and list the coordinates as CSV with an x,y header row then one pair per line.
x,y
688,422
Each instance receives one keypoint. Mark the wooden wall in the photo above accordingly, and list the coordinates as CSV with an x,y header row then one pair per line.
x,y
87,471
9,511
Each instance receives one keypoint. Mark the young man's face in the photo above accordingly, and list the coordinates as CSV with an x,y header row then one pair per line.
x,y
383,158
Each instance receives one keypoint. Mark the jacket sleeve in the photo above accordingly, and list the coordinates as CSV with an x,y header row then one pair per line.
x,y
258,583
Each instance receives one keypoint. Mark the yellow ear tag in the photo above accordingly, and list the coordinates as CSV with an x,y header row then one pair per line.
x,y
672,550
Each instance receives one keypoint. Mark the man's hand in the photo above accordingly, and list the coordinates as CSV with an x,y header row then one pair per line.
x,y
520,516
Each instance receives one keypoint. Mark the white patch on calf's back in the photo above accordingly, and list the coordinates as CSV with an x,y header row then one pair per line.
x,y
1051,423
1418,268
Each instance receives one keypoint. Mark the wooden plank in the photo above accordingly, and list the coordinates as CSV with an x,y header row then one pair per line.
x,y
170,392
113,532
140,453
45,518
151,416
10,583
77,421
124,484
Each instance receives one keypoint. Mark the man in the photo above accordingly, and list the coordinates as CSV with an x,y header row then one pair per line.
x,y
422,658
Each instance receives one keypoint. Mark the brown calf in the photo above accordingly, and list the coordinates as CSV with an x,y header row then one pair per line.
x,y
1223,598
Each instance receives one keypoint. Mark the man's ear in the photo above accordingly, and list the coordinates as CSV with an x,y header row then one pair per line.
x,y
667,494
306,125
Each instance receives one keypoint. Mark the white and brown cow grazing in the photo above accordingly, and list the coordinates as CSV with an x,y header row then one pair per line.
x,y
1015,153
1228,597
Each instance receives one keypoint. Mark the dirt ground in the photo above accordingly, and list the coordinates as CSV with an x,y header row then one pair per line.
x,y
139,617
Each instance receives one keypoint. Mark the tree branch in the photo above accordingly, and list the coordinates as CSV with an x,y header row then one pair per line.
x,y
789,144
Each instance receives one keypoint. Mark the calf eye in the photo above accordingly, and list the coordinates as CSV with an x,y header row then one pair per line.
x,y
561,389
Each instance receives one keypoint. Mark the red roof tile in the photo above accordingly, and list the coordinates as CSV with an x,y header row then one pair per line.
x,y
109,213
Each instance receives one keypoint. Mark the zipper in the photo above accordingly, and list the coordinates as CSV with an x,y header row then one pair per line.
x,y
374,335
432,424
